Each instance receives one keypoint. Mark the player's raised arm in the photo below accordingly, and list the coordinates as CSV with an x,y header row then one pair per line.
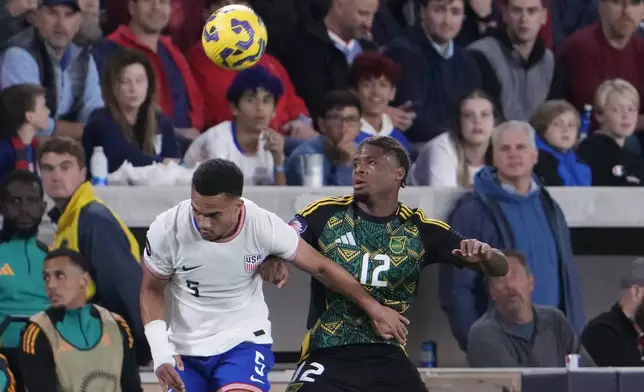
x,y
443,244
287,244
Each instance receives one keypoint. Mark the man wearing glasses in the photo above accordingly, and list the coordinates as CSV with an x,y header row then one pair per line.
x,y
339,126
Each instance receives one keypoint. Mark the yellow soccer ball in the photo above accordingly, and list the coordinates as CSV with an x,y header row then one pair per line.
x,y
234,37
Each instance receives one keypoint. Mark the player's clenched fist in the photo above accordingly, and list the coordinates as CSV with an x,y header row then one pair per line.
x,y
169,378
389,324
274,270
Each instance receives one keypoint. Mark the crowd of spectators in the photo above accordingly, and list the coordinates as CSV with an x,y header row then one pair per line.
x,y
484,94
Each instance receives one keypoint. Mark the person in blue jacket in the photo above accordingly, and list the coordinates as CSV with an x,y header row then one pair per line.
x,y
510,209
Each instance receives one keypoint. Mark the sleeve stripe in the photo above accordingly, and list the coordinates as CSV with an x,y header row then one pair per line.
x,y
29,339
405,211
340,201
153,270
424,219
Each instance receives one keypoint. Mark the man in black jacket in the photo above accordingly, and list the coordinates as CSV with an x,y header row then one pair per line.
x,y
318,56
615,338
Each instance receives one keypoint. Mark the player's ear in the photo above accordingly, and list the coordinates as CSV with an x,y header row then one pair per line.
x,y
400,174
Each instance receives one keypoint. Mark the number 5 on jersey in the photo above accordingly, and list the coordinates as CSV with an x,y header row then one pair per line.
x,y
376,278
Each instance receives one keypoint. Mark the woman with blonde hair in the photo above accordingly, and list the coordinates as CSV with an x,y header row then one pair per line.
x,y
454,157
557,124
130,127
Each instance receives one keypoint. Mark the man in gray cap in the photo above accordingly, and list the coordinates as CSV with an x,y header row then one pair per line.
x,y
615,338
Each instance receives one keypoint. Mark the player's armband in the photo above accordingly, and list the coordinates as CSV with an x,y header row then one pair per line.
x,y
160,347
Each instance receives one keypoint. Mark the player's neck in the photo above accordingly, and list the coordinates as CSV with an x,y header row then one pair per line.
x,y
247,138
379,206
235,226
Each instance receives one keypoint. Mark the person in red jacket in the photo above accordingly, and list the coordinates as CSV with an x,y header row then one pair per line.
x,y
291,115
179,96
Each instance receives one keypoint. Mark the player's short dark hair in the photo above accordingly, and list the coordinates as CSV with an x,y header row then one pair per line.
x,y
253,79
75,257
392,147
338,99
23,176
218,176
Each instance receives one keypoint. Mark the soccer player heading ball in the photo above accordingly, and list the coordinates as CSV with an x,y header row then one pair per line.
x,y
208,249
384,244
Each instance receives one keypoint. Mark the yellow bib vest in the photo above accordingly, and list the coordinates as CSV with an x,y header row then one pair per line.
x,y
94,370
67,232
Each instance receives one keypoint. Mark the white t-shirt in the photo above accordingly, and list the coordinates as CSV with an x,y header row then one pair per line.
x,y
220,142
437,164
217,300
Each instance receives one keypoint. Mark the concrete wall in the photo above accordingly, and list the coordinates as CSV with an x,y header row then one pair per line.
x,y
289,307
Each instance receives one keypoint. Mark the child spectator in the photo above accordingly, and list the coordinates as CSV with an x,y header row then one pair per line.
x,y
557,125
23,112
247,140
339,126
453,158
616,103
373,78
130,127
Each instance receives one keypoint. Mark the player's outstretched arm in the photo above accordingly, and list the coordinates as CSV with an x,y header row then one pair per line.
x,y
387,322
153,315
476,253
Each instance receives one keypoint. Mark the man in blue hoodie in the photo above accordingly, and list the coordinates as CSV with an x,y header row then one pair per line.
x,y
510,209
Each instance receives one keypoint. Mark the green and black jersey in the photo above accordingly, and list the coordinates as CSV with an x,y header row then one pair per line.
x,y
386,254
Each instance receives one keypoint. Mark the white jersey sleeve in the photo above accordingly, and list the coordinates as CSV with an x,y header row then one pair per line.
x,y
157,256
280,239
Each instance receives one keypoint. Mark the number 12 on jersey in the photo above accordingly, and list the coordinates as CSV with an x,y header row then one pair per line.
x,y
375,279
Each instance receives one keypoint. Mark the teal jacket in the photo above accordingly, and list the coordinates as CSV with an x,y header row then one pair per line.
x,y
23,289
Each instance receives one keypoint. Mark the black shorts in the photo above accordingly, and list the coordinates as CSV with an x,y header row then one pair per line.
x,y
357,368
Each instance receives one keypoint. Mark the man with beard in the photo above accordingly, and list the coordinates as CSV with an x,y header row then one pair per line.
x,y
74,345
614,338
608,49
22,292
515,333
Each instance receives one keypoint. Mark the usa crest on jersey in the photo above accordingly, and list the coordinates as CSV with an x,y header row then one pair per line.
x,y
251,262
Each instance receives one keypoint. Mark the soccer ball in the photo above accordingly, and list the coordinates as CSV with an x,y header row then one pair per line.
x,y
234,37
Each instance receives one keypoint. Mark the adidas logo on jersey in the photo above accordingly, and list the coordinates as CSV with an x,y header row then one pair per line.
x,y
346,239
6,270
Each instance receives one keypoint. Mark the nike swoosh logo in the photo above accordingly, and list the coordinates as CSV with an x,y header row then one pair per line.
x,y
184,268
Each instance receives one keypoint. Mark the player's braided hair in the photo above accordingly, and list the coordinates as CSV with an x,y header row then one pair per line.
x,y
393,147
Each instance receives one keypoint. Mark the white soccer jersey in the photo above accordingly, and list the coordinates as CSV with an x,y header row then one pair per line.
x,y
217,300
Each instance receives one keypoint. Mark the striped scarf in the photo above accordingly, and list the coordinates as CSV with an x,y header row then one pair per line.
x,y
25,154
